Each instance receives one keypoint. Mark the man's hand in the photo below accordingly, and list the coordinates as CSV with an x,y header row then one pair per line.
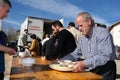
x,y
79,66
11,51
7,50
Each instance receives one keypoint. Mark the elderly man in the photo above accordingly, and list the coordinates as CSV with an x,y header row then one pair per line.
x,y
5,6
96,46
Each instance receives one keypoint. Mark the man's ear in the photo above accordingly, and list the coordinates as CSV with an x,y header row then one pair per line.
x,y
89,22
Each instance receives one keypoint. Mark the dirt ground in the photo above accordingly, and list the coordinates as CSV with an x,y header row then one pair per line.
x,y
8,63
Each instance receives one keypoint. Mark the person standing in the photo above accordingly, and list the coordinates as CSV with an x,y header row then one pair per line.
x,y
45,38
22,41
5,6
97,48
76,33
62,43
34,47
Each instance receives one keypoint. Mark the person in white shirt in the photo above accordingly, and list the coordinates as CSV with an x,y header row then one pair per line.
x,y
76,33
22,41
45,39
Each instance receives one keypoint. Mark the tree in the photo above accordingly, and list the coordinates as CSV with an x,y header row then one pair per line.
x,y
101,25
11,33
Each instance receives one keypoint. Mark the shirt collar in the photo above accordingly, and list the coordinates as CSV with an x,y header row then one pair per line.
x,y
91,33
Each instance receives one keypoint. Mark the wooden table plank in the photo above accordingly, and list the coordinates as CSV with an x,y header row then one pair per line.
x,y
41,71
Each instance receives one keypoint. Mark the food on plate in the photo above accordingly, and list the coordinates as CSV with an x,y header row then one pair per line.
x,y
62,65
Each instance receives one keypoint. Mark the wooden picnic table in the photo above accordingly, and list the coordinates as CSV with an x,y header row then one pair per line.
x,y
41,71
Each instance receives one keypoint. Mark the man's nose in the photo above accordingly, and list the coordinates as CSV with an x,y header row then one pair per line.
x,y
80,29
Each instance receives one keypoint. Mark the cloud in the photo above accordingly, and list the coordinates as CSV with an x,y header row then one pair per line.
x,y
12,22
59,7
100,20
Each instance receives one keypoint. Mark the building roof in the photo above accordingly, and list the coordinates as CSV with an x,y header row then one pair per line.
x,y
45,20
111,27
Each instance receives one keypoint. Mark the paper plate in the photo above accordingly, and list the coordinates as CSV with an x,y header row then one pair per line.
x,y
60,68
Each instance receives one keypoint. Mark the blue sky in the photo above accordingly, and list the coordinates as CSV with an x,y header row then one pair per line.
x,y
103,11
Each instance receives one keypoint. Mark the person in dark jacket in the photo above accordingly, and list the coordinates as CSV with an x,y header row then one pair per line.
x,y
5,6
61,44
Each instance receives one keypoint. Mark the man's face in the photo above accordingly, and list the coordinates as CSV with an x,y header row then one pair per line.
x,y
83,25
55,29
4,9
69,27
26,31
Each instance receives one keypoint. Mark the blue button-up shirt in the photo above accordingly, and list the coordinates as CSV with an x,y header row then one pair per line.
x,y
97,50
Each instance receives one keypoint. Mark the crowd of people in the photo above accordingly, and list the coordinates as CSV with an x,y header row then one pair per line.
x,y
93,43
